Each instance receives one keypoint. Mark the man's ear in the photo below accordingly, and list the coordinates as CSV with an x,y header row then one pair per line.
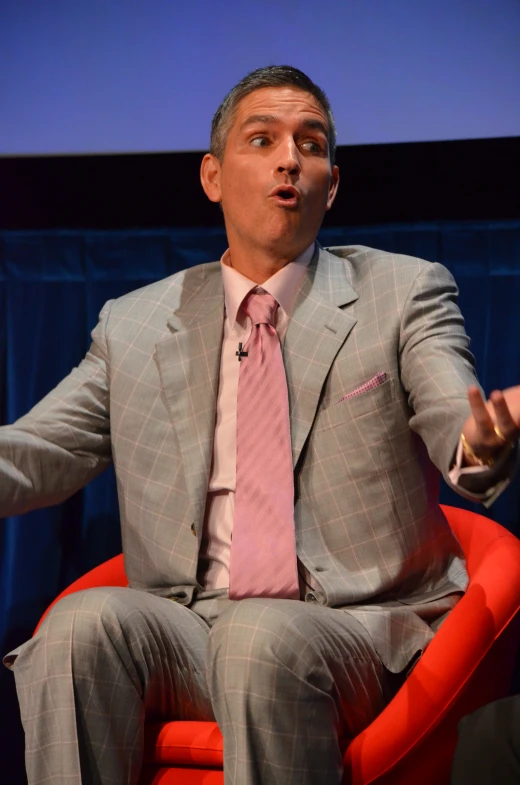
x,y
210,177
333,187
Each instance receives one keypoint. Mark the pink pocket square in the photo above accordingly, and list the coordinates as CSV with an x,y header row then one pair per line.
x,y
375,381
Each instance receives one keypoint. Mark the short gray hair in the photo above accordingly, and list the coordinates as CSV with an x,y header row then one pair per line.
x,y
270,76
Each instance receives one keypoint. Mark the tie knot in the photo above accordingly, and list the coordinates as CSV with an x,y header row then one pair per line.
x,y
260,308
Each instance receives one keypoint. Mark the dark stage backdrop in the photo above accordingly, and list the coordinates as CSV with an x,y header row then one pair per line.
x,y
52,286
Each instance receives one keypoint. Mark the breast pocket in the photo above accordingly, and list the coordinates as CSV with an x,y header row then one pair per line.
x,y
370,401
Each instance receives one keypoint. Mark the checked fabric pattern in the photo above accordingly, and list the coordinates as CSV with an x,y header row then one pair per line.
x,y
263,549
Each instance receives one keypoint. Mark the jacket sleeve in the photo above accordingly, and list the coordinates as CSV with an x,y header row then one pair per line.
x,y
436,369
64,441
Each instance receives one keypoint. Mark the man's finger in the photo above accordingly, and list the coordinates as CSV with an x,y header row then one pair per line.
x,y
483,420
504,420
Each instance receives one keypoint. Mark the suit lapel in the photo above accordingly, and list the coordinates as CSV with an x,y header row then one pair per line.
x,y
316,333
189,365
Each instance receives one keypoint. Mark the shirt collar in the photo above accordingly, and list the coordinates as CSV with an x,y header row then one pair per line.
x,y
283,285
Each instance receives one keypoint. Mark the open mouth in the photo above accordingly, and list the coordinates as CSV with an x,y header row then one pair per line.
x,y
288,196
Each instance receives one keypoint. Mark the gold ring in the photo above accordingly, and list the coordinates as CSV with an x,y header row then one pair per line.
x,y
500,434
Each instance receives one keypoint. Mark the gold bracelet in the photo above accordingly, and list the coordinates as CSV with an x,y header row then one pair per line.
x,y
468,450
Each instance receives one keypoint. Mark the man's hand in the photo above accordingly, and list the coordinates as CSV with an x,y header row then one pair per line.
x,y
500,413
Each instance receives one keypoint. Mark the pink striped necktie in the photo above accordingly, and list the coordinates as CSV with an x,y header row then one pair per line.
x,y
263,546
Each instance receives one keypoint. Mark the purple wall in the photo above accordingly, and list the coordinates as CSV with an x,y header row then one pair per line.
x,y
84,76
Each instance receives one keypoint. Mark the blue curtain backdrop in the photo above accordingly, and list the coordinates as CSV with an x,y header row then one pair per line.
x,y
52,287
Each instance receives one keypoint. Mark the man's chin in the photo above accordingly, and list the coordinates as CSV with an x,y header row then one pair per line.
x,y
288,235
282,239
288,247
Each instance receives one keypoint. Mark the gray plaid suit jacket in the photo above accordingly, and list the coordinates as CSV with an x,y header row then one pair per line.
x,y
370,534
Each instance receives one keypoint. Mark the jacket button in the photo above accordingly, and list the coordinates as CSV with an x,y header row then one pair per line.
x,y
309,597
193,529
319,569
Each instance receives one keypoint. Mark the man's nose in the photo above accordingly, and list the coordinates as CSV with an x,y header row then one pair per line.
x,y
289,158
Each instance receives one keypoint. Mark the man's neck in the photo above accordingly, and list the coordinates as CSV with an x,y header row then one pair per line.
x,y
258,266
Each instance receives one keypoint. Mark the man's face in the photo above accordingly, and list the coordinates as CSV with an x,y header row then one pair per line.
x,y
275,181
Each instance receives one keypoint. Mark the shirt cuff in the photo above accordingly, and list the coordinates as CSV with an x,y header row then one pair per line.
x,y
459,469
486,495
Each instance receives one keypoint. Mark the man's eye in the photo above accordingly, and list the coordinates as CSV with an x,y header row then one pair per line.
x,y
259,141
312,147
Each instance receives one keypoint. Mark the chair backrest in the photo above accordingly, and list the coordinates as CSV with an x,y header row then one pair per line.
x,y
476,534
110,573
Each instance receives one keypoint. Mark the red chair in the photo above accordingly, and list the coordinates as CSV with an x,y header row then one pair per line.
x,y
469,663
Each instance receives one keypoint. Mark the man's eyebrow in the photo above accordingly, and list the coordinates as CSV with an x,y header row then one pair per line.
x,y
255,119
316,125
259,119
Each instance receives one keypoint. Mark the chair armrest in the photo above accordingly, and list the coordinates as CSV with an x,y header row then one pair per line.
x,y
480,617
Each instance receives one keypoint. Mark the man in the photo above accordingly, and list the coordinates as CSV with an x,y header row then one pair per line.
x,y
287,557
